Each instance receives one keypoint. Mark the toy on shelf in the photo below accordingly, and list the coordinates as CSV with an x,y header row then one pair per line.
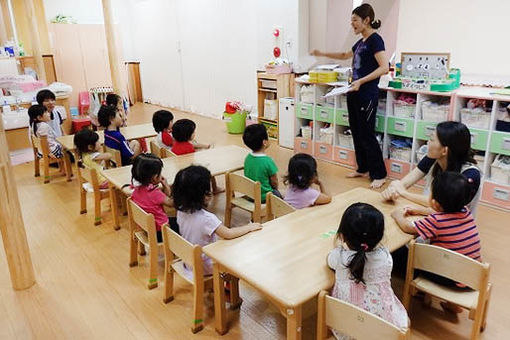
x,y
426,71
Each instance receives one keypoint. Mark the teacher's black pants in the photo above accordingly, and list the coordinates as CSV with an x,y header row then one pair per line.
x,y
362,108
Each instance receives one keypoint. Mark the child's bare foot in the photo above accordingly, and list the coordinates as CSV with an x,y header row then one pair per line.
x,y
218,190
357,174
377,183
451,307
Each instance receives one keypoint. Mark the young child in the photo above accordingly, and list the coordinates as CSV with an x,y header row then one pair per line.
x,y
111,119
452,226
363,267
162,121
116,101
183,132
191,193
302,173
88,145
39,124
146,171
257,165
47,99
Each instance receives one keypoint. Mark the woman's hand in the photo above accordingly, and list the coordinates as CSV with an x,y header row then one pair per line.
x,y
394,191
355,85
317,53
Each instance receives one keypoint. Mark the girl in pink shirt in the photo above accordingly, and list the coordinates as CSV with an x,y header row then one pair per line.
x,y
302,173
146,174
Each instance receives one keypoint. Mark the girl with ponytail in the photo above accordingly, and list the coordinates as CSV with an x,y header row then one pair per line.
x,y
302,173
363,267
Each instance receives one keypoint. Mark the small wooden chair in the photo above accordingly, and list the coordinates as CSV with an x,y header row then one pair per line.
x,y
276,207
353,321
116,160
178,252
142,228
40,146
238,183
160,152
89,182
456,267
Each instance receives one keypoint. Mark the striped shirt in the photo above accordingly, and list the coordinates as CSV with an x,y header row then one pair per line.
x,y
456,232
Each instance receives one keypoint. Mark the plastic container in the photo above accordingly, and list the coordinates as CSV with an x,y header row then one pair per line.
x,y
403,109
475,118
236,122
500,170
270,109
306,132
433,112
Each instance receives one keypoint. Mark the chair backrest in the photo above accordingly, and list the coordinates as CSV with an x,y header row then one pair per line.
x,y
276,207
450,264
41,144
239,183
160,152
116,157
176,245
141,218
87,174
354,321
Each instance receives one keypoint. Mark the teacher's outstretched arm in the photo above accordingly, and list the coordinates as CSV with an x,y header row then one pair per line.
x,y
382,61
332,55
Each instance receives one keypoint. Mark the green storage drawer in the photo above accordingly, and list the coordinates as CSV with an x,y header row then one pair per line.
x,y
342,117
304,111
379,123
324,114
401,126
479,139
500,143
425,129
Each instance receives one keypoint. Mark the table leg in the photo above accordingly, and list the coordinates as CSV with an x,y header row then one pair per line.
x,y
219,301
235,300
294,319
114,207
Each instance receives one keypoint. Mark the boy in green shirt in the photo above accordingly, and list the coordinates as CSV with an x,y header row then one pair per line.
x,y
257,165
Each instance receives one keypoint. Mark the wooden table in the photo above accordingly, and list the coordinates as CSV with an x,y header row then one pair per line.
x,y
286,260
218,160
129,132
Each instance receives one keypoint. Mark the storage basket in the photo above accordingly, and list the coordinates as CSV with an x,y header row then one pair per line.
x,y
306,132
403,109
500,170
326,135
476,118
434,112
400,154
345,141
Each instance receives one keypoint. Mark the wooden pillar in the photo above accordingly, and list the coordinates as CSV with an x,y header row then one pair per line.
x,y
34,38
113,54
11,223
3,23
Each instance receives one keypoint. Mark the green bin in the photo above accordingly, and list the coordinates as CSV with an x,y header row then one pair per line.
x,y
236,122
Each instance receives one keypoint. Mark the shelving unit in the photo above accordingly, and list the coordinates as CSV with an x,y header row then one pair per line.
x,y
272,86
313,111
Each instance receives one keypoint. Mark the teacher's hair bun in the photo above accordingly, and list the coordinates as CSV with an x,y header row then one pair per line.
x,y
375,24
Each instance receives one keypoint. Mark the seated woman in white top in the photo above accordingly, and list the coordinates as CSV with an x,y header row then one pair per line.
x,y
449,149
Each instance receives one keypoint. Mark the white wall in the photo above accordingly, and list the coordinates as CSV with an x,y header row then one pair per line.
x,y
475,32
196,55
83,11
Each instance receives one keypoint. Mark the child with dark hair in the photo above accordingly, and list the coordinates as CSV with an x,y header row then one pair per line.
x,y
162,120
183,132
88,146
110,118
114,100
39,119
451,226
257,165
146,173
58,114
363,266
192,193
302,173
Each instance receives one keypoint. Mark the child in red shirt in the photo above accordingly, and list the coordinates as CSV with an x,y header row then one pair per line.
x,y
162,121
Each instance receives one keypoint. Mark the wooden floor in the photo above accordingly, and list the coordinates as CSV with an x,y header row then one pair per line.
x,y
86,290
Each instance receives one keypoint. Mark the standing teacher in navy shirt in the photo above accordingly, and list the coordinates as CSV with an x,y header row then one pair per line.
x,y
368,64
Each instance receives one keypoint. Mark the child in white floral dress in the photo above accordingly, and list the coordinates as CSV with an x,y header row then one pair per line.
x,y
363,267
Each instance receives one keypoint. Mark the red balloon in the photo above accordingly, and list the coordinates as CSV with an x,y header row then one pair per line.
x,y
276,52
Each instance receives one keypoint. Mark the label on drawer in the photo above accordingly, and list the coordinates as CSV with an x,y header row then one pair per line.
x,y
501,194
304,144
396,168
429,130
323,149
474,137
304,110
345,116
506,144
400,126
343,154
324,114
